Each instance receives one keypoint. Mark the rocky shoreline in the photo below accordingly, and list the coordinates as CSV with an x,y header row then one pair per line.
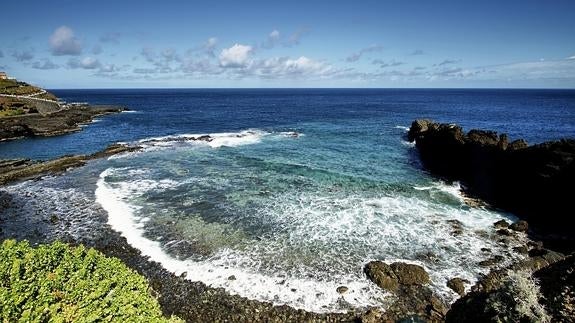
x,y
66,120
534,183
489,299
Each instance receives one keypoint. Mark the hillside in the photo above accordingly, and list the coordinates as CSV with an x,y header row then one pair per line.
x,y
18,98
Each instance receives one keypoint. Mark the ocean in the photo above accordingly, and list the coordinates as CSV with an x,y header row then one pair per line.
x,y
297,191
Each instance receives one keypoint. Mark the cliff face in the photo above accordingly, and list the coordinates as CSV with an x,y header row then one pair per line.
x,y
533,182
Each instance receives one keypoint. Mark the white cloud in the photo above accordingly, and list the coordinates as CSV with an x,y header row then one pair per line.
x,y
295,38
63,42
284,67
448,62
88,63
23,56
235,56
210,45
272,40
274,35
46,64
149,54
357,55
571,57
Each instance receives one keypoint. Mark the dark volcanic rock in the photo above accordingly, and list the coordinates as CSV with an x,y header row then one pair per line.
x,y
409,274
382,275
534,182
501,224
521,226
457,285
53,124
14,170
391,277
557,283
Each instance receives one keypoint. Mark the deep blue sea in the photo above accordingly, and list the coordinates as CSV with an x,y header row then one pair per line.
x,y
298,189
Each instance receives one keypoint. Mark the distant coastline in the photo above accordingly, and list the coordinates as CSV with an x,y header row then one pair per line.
x,y
29,111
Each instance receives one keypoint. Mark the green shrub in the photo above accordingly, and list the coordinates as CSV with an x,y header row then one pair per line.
x,y
71,284
518,300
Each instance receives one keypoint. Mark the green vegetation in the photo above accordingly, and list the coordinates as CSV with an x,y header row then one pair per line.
x,y
71,284
14,107
14,87
518,300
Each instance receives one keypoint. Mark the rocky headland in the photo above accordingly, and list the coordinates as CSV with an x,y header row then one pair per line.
x,y
533,182
63,121
28,111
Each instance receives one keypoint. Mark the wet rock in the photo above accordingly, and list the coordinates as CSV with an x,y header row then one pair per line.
x,y
517,144
374,315
491,261
501,224
521,226
232,277
417,128
521,249
342,289
382,275
457,285
503,232
33,170
409,274
536,252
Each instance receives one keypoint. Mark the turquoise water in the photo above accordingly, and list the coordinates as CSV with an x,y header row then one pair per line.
x,y
296,192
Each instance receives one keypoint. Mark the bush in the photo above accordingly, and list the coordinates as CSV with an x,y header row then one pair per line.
x,y
518,300
71,284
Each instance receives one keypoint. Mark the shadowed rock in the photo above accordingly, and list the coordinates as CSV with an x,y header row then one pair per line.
x,y
534,182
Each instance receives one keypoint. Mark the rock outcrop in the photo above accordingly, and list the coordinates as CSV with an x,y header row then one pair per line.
x,y
53,124
534,182
391,277
413,300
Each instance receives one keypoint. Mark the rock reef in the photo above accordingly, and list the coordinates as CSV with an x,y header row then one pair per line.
x,y
19,169
533,182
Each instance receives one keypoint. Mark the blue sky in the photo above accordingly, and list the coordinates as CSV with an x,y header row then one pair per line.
x,y
135,44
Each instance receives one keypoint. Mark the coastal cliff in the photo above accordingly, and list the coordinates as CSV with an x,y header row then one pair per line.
x,y
533,182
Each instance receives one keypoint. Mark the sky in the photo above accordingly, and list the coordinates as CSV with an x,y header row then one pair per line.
x,y
261,44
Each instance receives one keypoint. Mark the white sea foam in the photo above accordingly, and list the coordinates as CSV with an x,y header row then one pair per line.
x,y
408,144
214,140
322,241
404,128
302,292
